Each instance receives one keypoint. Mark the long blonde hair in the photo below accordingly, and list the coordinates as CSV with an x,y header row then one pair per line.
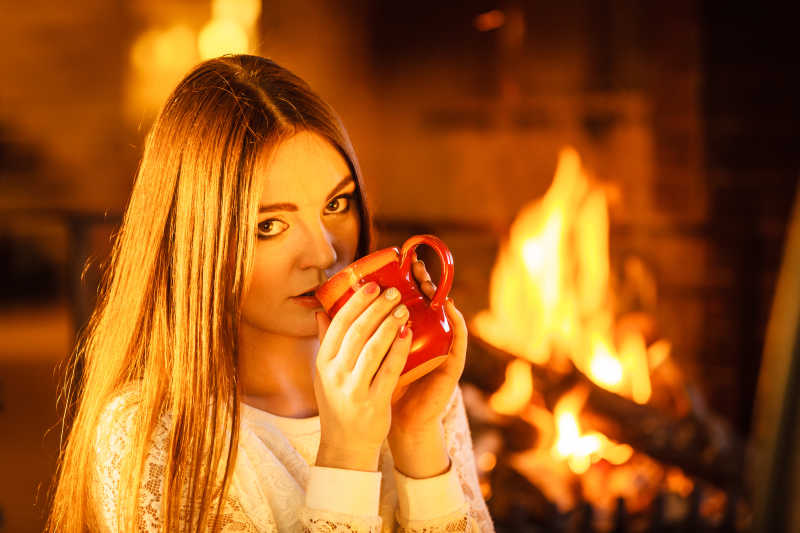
x,y
168,311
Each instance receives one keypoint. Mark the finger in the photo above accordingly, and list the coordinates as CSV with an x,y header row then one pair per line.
x,y
429,289
378,346
338,327
386,378
460,332
420,272
364,326
399,391
424,279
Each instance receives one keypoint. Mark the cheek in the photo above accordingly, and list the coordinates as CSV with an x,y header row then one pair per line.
x,y
265,282
348,239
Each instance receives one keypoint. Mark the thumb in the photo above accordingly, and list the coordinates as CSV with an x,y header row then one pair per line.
x,y
323,322
399,392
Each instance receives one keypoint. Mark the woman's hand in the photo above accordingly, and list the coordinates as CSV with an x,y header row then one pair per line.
x,y
419,407
361,354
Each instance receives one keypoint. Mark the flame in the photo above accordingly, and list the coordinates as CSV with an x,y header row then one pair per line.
x,y
530,297
605,369
550,292
515,393
581,450
633,351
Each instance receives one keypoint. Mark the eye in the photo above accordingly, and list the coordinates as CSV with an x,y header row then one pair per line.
x,y
268,228
341,204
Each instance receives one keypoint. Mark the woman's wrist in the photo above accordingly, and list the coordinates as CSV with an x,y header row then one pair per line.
x,y
421,455
364,459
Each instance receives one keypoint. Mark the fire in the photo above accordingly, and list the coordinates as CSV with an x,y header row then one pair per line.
x,y
579,449
515,393
605,369
550,292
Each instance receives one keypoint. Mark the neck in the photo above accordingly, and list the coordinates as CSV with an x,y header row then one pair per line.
x,y
275,372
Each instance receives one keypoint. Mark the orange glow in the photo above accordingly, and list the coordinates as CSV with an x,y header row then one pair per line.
x,y
486,489
168,49
617,454
221,36
515,393
159,57
658,352
491,20
244,12
487,461
678,483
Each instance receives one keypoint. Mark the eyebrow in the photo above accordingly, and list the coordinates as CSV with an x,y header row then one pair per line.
x,y
347,180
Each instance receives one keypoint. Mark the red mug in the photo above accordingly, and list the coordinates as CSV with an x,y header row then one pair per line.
x,y
390,267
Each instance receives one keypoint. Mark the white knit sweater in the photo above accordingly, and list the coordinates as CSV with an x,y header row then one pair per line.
x,y
276,487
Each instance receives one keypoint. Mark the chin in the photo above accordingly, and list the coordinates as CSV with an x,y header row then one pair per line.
x,y
303,328
290,325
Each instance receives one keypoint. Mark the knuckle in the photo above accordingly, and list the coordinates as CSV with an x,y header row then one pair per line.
x,y
337,377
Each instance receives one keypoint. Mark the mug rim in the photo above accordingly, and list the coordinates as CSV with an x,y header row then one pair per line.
x,y
329,292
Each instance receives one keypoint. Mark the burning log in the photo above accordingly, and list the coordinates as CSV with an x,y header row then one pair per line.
x,y
698,442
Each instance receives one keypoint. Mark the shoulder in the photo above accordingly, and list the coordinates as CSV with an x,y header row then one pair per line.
x,y
120,419
117,417
119,424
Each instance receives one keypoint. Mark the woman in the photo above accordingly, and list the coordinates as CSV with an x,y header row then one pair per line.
x,y
214,396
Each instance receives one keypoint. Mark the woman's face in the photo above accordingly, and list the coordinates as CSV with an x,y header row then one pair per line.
x,y
307,230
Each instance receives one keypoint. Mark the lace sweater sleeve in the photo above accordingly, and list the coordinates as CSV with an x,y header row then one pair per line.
x,y
473,516
111,444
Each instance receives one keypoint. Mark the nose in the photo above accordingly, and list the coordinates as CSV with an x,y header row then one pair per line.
x,y
320,249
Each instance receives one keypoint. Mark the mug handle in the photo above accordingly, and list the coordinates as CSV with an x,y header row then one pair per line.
x,y
445,257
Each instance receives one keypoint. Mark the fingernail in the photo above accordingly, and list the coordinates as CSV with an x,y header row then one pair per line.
x,y
405,331
400,312
371,288
392,293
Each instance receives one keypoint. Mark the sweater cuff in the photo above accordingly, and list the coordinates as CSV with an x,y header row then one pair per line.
x,y
343,491
433,497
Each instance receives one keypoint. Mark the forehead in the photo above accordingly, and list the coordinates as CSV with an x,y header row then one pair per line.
x,y
301,169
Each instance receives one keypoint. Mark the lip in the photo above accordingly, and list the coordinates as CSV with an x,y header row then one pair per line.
x,y
307,301
312,290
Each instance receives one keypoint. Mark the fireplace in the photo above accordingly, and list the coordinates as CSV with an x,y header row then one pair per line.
x,y
621,399
581,415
